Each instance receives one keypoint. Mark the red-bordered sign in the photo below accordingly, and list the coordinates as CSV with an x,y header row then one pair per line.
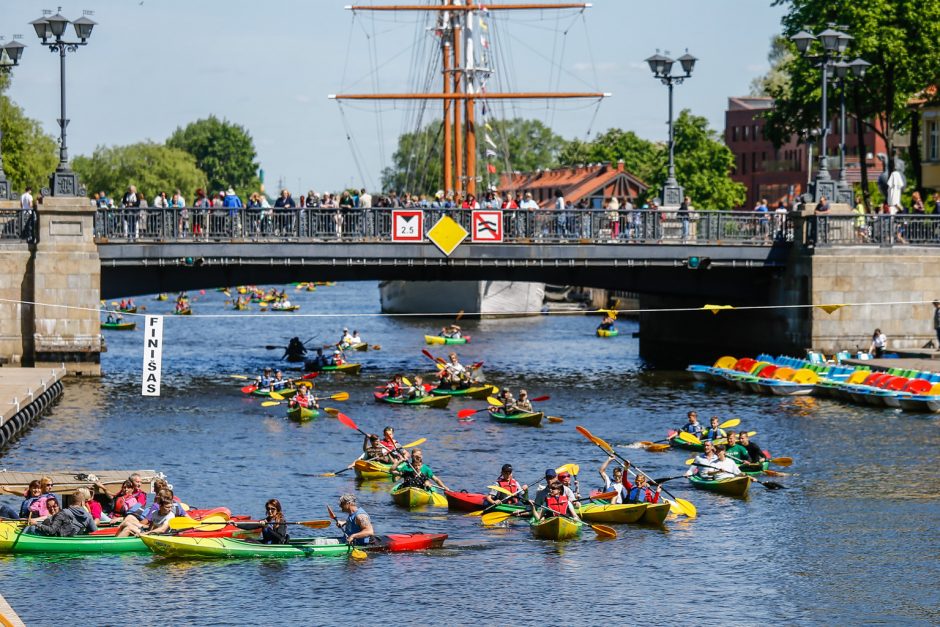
x,y
407,225
487,226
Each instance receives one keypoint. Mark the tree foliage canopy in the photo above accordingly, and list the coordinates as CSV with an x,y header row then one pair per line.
x,y
223,150
641,157
776,80
29,154
152,168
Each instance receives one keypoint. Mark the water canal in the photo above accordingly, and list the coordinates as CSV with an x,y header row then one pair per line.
x,y
853,540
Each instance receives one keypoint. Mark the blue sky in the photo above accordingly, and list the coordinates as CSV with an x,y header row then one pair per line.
x,y
153,65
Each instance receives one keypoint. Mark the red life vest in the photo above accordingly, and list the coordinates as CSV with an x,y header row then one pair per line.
x,y
512,485
303,401
558,504
389,445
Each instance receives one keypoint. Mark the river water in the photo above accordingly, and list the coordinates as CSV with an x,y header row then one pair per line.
x,y
852,540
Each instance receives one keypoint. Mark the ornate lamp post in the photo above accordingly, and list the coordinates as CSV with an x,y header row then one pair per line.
x,y
10,55
661,66
846,70
829,61
63,182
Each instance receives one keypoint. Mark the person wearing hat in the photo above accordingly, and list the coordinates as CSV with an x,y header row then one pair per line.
x,y
347,339
551,478
264,381
565,478
357,528
338,359
508,483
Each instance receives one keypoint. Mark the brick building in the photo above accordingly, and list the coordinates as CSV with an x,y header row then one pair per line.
x,y
594,182
783,173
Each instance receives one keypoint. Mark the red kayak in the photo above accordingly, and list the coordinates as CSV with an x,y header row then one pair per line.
x,y
401,542
465,501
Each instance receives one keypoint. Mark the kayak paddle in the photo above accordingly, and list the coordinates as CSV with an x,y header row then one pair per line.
x,y
417,442
770,485
358,554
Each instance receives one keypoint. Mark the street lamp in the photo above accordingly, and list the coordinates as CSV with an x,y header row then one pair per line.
x,y
63,182
844,70
831,63
661,66
10,56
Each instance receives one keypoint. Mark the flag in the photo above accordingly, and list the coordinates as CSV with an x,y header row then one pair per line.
x,y
491,168
490,152
489,140
487,126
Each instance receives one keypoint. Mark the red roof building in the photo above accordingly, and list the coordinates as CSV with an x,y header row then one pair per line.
x,y
596,182
783,173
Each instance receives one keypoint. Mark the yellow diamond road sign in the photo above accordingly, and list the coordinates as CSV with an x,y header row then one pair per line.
x,y
447,234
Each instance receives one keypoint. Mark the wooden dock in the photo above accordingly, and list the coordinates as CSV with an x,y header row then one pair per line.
x,y
67,481
25,393
8,617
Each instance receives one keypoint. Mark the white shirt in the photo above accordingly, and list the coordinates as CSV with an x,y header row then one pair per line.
x,y
355,339
26,201
348,339
529,203
365,201
704,461
726,468
610,486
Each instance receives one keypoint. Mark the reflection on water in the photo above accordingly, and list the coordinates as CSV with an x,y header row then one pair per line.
x,y
852,540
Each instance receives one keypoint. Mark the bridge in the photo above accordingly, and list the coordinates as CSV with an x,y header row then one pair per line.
x,y
674,261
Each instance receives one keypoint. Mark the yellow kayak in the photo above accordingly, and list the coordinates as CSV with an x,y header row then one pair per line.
x,y
556,528
619,513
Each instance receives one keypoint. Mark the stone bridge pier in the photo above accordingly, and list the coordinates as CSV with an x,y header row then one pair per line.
x,y
62,271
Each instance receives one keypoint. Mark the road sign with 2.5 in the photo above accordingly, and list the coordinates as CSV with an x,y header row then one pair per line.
x,y
407,225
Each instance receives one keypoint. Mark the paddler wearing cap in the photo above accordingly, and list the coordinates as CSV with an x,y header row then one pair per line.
x,y
357,528
508,483
338,359
347,339
555,499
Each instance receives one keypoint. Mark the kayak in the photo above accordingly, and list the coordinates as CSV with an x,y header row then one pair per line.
x,y
410,498
183,312
465,501
729,486
527,418
344,368
13,541
220,530
753,468
618,513
556,528
655,513
285,392
371,470
240,306
161,297
437,339
476,391
302,414
358,346
427,401
128,309
119,326
401,542
607,333
177,546
282,308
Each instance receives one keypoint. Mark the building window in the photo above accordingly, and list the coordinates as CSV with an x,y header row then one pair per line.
x,y
933,139
756,134
744,163
744,131
734,133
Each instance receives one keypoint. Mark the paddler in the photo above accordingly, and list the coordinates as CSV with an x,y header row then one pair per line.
x,y
394,387
565,478
723,467
390,444
734,450
356,339
346,339
110,318
551,477
338,359
615,484
295,350
606,324
509,483
303,399
755,454
555,503
451,332
714,431
71,521
278,382
454,375
264,381
693,426
522,404
703,459
416,389
357,528
508,402
641,492
417,474
372,450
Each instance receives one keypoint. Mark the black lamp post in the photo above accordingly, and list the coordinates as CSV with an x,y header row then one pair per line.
x,y
844,70
10,55
63,182
833,44
661,66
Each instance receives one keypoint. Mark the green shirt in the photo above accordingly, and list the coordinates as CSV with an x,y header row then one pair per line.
x,y
738,452
424,470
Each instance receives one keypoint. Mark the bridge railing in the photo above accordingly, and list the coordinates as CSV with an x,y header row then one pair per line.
x,y
12,222
883,230
375,225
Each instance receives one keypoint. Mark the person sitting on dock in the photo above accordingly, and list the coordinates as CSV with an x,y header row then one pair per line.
x,y
31,506
451,332
693,426
71,521
607,324
714,431
417,474
703,460
357,528
508,483
641,491
755,454
734,450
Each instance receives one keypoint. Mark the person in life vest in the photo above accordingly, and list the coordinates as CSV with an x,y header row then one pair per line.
x,y
303,399
505,397
372,450
714,431
417,474
606,324
641,492
454,374
451,332
389,443
278,382
357,528
338,359
557,503
693,426
416,389
522,404
394,387
508,483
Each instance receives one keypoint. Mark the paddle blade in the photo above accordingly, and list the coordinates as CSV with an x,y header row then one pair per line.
x,y
734,422
358,554
603,496
492,400
183,522
495,518
685,436
438,499
270,403
376,347
657,448
310,375
466,413
327,474
330,512
332,411
276,396
771,485
417,442
305,384
459,316
248,389
540,399
689,462
603,531
499,489
340,396
687,508
346,420
405,381
428,354
555,419
314,524
239,376
776,473
477,513
782,461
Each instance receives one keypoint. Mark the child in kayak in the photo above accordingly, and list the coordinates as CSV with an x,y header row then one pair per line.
x,y
693,426
557,503
451,332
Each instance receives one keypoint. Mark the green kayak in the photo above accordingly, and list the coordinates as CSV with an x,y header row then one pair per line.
x,y
176,546
528,418
302,414
476,391
285,392
119,326
12,541
426,401
729,486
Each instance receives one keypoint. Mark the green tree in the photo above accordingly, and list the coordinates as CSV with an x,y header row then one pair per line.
x,y
777,79
29,154
153,168
704,165
223,150
901,40
520,144
642,158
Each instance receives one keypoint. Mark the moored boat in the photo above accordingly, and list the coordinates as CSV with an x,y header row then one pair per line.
x,y
729,486
527,418
437,339
179,546
425,401
302,414
12,540
556,528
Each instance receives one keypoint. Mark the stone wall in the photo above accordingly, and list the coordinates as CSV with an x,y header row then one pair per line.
x,y
15,285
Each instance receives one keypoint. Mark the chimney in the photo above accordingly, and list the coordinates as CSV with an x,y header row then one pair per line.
x,y
620,165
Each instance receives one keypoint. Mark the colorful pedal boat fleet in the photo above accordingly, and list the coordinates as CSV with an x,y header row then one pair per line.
x,y
910,390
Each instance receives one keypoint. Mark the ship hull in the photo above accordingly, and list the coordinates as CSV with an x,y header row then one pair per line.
x,y
489,298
